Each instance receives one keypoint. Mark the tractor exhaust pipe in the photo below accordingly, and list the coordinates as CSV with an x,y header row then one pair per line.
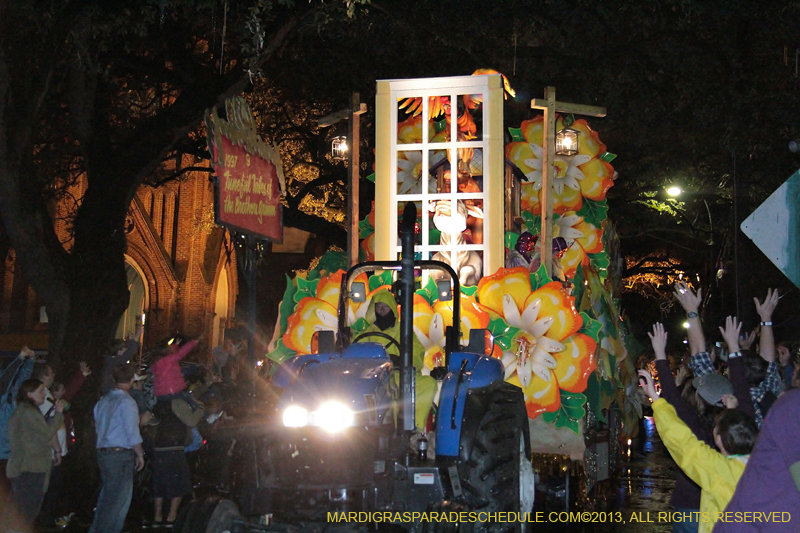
x,y
407,316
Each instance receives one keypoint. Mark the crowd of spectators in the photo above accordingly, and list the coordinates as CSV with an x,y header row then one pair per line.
x,y
728,417
162,428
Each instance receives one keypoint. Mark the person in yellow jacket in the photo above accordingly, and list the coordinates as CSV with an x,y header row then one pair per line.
x,y
383,317
717,472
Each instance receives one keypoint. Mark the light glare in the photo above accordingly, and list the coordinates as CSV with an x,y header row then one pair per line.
x,y
295,416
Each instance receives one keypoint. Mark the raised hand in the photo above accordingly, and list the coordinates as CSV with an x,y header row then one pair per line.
x,y
659,340
85,370
769,304
680,377
60,405
689,300
731,333
27,352
730,401
648,386
747,341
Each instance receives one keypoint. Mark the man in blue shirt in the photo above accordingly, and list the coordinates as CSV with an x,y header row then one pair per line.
x,y
119,451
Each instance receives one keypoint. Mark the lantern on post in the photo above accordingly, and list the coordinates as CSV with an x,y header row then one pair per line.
x,y
339,148
567,142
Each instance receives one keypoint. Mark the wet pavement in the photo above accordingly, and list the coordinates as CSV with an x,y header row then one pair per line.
x,y
642,490
646,483
638,502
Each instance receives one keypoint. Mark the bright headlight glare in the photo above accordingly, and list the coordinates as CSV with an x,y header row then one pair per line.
x,y
333,417
295,416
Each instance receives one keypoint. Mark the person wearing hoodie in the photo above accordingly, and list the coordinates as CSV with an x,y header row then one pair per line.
x,y
382,315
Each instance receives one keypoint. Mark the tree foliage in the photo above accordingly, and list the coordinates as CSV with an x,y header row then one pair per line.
x,y
703,93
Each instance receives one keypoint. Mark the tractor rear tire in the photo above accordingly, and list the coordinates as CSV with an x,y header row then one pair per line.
x,y
492,476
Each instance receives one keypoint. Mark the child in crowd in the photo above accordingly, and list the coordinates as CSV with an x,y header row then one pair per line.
x,y
717,472
168,382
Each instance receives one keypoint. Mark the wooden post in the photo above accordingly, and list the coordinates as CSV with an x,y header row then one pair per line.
x,y
354,167
548,174
550,107
354,164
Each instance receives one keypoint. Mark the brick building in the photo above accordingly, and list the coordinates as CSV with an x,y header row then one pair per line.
x,y
181,270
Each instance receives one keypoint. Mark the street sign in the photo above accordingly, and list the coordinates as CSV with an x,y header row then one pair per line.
x,y
774,227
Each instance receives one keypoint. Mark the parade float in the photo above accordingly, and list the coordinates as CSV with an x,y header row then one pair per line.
x,y
540,271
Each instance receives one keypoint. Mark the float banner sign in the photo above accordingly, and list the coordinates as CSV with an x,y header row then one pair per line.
x,y
248,192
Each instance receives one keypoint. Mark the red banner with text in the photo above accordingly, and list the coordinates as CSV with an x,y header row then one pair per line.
x,y
248,191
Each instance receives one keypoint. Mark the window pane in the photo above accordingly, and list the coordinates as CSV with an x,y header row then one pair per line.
x,y
440,114
409,172
409,120
470,170
438,165
470,117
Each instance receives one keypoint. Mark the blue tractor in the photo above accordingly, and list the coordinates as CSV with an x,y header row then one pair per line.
x,y
344,440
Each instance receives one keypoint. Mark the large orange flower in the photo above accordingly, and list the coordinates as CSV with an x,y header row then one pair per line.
x,y
548,353
581,175
430,324
319,312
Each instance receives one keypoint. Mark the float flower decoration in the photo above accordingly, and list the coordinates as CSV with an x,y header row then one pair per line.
x,y
409,162
581,181
310,305
431,316
584,240
548,348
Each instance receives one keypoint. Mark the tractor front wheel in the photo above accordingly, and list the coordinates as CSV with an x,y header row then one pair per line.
x,y
498,476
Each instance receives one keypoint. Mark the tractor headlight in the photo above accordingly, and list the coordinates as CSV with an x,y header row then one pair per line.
x,y
295,416
333,417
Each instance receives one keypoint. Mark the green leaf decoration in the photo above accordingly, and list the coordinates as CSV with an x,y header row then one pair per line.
x,y
287,305
371,177
305,288
428,291
608,157
516,135
511,239
281,353
533,223
379,280
469,291
440,125
503,333
594,395
594,212
358,326
331,262
591,327
578,287
572,403
539,278
365,229
561,420
434,235
601,262
570,413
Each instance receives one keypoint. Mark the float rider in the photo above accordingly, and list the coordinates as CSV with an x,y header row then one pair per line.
x,y
382,316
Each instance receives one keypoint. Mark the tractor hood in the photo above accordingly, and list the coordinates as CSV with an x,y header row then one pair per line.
x,y
360,383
